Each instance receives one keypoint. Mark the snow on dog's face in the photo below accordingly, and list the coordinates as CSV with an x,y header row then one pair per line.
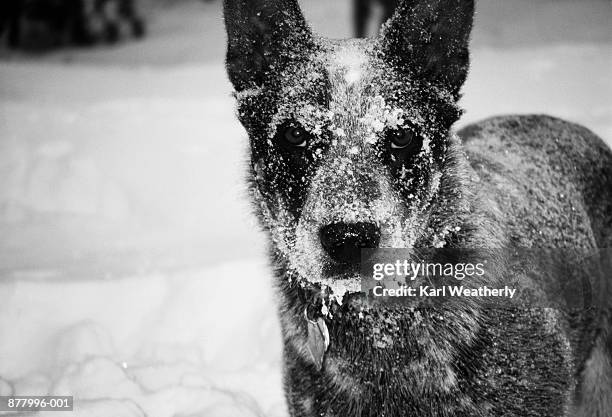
x,y
348,138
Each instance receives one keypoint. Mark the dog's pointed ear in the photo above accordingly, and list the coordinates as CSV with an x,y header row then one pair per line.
x,y
261,35
430,39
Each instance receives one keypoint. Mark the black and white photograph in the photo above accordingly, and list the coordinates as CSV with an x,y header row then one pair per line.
x,y
306,208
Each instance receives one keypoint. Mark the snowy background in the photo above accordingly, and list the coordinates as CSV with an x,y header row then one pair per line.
x,y
132,274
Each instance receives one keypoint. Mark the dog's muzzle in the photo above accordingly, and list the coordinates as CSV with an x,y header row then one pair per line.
x,y
343,242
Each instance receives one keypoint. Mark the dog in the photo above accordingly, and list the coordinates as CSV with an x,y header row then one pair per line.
x,y
362,10
352,147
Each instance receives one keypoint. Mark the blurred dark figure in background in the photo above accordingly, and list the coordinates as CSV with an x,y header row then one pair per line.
x,y
48,23
362,10
10,22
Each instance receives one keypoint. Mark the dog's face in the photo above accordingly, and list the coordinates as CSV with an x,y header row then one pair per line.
x,y
349,139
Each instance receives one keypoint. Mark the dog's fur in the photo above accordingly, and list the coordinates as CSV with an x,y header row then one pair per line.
x,y
507,182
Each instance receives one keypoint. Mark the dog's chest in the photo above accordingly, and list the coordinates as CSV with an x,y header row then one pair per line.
x,y
413,362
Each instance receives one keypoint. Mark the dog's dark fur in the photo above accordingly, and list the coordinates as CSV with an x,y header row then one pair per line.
x,y
323,117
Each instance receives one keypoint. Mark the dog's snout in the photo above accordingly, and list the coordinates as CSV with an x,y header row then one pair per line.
x,y
343,241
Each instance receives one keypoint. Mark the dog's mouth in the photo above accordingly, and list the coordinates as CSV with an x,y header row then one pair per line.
x,y
341,271
333,285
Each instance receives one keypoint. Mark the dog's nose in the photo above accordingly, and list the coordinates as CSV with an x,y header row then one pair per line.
x,y
343,241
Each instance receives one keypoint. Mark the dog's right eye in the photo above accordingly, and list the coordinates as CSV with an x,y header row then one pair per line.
x,y
295,136
401,138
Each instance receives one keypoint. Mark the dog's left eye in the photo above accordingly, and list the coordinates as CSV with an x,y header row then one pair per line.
x,y
401,138
296,136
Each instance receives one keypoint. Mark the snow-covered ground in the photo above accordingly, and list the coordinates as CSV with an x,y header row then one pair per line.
x,y
132,274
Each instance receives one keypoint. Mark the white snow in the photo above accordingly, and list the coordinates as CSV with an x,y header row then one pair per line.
x,y
567,81
187,342
132,274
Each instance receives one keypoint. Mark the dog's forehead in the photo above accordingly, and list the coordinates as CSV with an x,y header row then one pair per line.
x,y
349,59
354,67
347,90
